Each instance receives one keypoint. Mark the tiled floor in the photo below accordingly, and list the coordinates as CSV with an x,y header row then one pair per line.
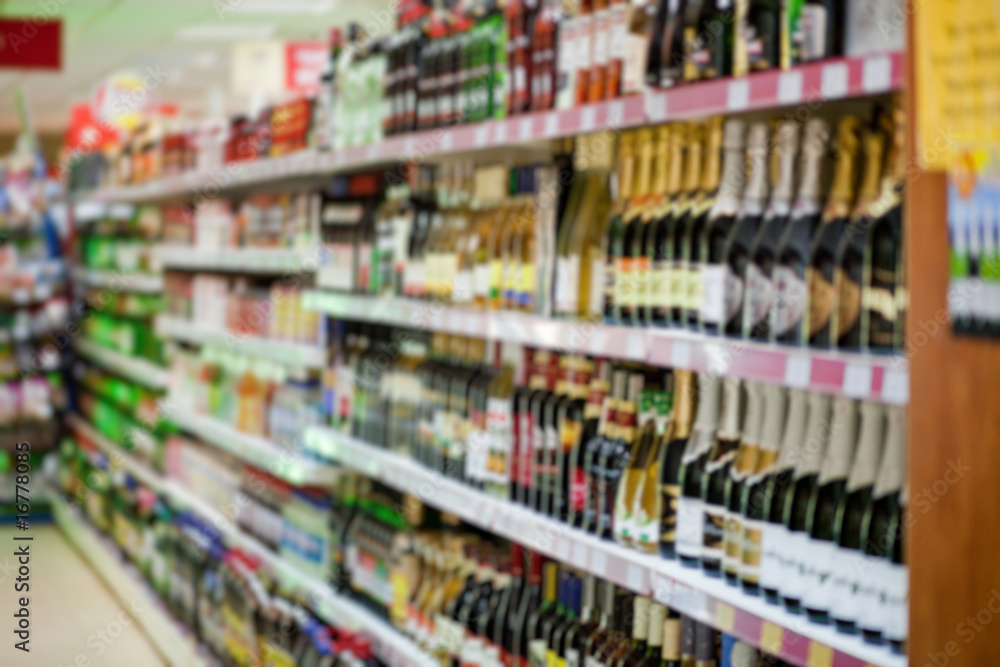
x,y
75,619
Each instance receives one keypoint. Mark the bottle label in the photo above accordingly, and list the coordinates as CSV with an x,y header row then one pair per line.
x,y
678,287
821,300
845,576
600,283
623,514
618,28
790,299
462,290
671,494
750,554
624,282
790,562
733,294
481,280
695,288
601,38
641,270
775,539
584,42
537,653
526,287
896,587
690,523
496,279
817,564
733,543
713,300
572,657
759,297
499,425
874,572
525,442
811,35
714,532
567,284
660,285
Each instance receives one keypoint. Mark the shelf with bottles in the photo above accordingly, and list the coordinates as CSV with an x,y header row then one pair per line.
x,y
116,280
134,368
284,261
289,568
172,639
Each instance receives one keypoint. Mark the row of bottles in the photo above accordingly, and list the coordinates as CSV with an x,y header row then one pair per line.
x,y
792,493
724,229
476,603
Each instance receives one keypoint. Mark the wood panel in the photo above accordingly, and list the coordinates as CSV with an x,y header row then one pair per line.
x,y
954,450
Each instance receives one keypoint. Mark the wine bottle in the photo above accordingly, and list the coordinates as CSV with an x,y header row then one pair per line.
x,y
546,468
855,504
554,621
647,253
713,485
881,528
792,255
616,229
593,463
826,238
759,289
670,655
628,289
618,631
587,622
653,656
662,258
561,634
671,72
744,465
593,264
799,493
705,649
883,294
845,321
697,220
690,506
711,245
536,623
671,453
640,633
757,42
567,280
596,638
615,455
740,240
821,522
689,629
502,634
896,582
546,379
752,501
680,218
571,430
600,49
816,28
519,624
631,487
708,39
648,503
594,424
775,535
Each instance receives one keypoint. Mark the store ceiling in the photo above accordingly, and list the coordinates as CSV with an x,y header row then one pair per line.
x,y
101,37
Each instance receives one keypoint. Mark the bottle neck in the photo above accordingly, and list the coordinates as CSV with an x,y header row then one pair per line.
x,y
693,157
640,618
683,403
795,429
676,162
893,468
786,151
661,163
755,193
657,616
644,168
732,403
814,146
551,579
775,403
713,155
871,177
813,448
843,436
870,441
842,188
626,168
749,452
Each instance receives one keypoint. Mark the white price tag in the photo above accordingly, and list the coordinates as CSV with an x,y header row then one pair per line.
x,y
656,106
563,550
599,342
738,95
616,114
447,139
857,380
525,129
876,77
371,152
798,371
482,135
895,387
552,124
599,564
635,578
680,354
690,602
588,118
500,133
663,590
580,555
635,346
790,87
719,359
834,84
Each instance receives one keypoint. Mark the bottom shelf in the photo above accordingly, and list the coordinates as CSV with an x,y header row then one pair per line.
x,y
170,638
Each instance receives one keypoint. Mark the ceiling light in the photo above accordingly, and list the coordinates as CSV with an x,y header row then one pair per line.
x,y
214,31
281,6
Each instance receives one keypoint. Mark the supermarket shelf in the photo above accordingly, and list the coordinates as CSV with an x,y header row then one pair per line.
x,y
390,646
132,368
864,376
689,591
263,261
172,640
811,84
140,283
261,453
296,354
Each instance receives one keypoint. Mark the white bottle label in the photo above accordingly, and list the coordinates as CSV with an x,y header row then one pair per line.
x,y
870,610
896,587
481,280
817,567
790,299
759,295
845,577
567,284
790,563
690,520
733,294
713,278
772,541
601,35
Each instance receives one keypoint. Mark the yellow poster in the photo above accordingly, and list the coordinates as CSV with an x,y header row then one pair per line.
x,y
957,79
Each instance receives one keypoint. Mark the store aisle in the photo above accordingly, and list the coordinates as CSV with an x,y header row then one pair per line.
x,y
75,618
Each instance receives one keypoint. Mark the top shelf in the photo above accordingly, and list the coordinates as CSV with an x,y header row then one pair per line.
x,y
810,85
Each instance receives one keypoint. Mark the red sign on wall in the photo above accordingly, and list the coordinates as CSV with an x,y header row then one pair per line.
x,y
304,62
30,43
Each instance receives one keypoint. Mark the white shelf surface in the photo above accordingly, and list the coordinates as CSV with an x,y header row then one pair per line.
x,y
294,354
139,283
689,591
172,640
135,369
390,645
864,376
810,84
264,261
293,467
